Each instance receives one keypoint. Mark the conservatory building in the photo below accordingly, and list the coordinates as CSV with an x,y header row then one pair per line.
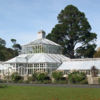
x,y
82,65
41,55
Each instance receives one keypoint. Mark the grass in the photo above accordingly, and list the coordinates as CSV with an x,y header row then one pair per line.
x,y
48,93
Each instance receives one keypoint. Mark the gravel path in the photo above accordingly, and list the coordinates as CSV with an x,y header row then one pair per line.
x,y
55,85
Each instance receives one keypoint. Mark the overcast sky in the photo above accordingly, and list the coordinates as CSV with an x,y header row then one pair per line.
x,y
22,19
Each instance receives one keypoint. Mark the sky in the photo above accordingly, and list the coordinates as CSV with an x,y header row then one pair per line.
x,y
22,19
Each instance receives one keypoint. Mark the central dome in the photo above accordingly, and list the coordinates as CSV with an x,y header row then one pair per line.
x,y
42,45
43,41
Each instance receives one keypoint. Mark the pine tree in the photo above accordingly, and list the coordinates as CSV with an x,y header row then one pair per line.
x,y
73,33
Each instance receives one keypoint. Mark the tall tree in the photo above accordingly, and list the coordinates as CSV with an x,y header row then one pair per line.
x,y
17,47
8,53
73,33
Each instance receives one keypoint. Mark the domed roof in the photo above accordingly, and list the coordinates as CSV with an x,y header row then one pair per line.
x,y
43,41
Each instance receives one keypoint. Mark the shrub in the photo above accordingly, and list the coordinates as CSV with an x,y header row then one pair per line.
x,y
84,81
30,79
77,78
63,80
15,77
41,77
47,81
57,75
34,76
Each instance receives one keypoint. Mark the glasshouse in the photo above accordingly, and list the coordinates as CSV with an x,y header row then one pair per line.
x,y
43,55
81,65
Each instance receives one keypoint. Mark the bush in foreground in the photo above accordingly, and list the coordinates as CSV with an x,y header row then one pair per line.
x,y
63,80
39,78
15,77
77,78
58,78
57,75
42,77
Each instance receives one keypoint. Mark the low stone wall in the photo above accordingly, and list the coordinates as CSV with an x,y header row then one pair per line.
x,y
93,80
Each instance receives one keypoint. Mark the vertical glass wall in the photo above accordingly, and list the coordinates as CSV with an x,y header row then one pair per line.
x,y
41,49
29,69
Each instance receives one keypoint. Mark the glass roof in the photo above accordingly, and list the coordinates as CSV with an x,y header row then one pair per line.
x,y
38,58
42,41
80,64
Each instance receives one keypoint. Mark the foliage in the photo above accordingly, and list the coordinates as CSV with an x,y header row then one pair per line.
x,y
77,78
29,79
47,81
73,33
17,47
13,41
15,77
57,75
34,76
6,53
84,81
63,80
97,53
39,78
42,76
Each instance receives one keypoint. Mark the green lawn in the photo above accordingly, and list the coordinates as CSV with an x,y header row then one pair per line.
x,y
48,93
